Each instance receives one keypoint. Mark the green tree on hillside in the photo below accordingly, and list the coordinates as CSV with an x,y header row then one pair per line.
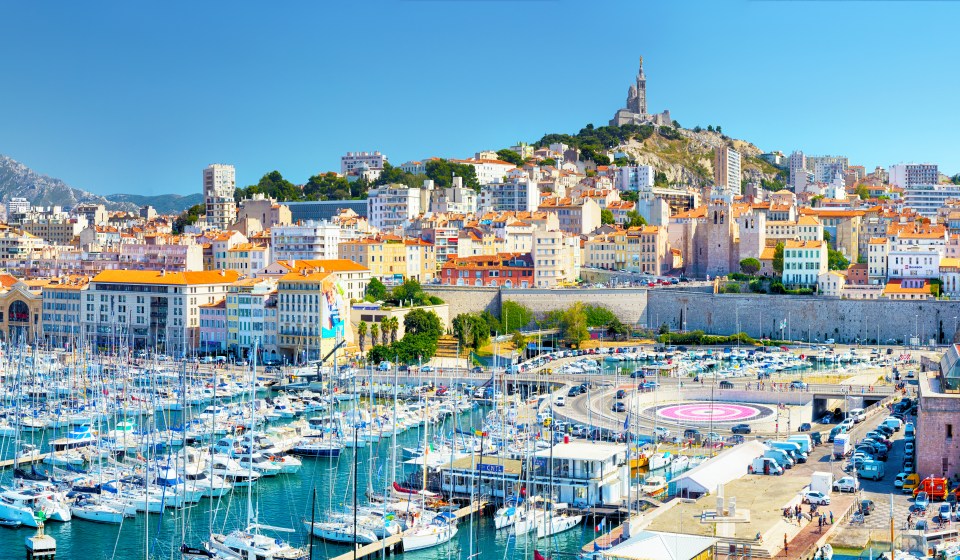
x,y
510,156
606,217
778,258
573,325
750,266
441,171
634,219
836,260
514,316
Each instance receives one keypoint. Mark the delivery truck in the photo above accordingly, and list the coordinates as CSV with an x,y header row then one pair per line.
x,y
841,446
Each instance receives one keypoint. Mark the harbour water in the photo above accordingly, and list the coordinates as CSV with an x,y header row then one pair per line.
x,y
283,501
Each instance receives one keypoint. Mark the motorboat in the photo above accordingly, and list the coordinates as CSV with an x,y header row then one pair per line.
x,y
439,530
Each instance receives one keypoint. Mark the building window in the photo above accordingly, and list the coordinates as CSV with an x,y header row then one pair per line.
x,y
949,431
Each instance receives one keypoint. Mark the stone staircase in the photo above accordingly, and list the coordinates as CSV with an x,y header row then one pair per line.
x,y
447,347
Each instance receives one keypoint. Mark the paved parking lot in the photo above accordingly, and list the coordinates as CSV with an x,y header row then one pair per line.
x,y
881,491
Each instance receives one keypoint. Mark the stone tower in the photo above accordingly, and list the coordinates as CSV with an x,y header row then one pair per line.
x,y
637,95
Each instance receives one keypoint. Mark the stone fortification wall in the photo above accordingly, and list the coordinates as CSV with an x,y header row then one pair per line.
x,y
805,318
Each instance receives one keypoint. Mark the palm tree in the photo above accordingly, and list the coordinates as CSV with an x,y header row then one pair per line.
x,y
362,335
394,325
384,331
374,332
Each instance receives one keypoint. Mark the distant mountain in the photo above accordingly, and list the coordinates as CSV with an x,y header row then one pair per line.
x,y
164,203
18,180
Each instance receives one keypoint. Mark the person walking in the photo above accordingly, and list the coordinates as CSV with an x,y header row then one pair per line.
x,y
819,523
831,517
785,549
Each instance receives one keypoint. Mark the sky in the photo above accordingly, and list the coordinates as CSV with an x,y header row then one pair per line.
x,y
136,97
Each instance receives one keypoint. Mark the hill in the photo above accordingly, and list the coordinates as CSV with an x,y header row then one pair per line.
x,y
18,180
684,157
163,203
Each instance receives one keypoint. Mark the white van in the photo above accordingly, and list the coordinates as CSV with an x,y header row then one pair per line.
x,y
560,401
893,423
858,415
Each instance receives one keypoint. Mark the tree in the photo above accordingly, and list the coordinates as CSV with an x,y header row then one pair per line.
x,y
493,324
709,128
510,156
778,258
617,329
634,219
188,217
330,186
606,217
547,161
598,316
573,324
827,236
395,176
519,340
374,333
863,192
660,179
836,260
631,196
393,324
409,293
471,330
441,171
272,185
362,335
750,266
419,321
514,316
375,291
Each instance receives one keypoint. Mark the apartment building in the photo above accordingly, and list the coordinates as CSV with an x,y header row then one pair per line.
x,y
305,241
556,258
804,262
219,185
62,311
510,270
311,315
391,207
151,309
247,302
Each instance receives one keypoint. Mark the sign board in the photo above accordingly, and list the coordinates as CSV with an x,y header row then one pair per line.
x,y
496,469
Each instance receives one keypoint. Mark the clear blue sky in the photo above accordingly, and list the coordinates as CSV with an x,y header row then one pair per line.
x,y
138,97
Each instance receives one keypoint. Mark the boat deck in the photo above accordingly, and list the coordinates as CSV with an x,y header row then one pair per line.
x,y
393,544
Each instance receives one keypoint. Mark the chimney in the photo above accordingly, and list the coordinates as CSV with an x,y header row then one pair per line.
x,y
223,272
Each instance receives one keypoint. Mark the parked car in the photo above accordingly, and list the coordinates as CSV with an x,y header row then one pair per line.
x,y
805,427
691,433
741,429
816,498
726,384
922,501
867,507
846,484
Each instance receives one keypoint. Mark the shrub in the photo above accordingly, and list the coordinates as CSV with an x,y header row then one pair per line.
x,y
731,288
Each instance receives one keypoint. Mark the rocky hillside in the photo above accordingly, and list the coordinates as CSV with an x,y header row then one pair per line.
x,y
18,180
686,157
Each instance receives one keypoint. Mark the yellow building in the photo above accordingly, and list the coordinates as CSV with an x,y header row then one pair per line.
x,y
312,315
390,257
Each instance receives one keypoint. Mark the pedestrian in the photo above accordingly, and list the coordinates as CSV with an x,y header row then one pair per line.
x,y
831,517
784,542
909,519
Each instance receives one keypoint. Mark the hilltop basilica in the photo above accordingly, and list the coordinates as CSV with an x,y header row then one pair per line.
x,y
636,110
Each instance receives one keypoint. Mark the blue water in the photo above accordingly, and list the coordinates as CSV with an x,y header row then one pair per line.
x,y
282,501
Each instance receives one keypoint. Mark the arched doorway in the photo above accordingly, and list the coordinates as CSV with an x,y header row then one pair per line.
x,y
18,321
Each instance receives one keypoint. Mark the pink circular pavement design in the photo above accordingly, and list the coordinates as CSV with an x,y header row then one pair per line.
x,y
711,412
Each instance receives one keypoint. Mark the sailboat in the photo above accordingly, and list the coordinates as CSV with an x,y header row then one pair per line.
x,y
243,544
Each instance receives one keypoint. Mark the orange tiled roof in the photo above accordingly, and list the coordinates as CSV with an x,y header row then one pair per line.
x,y
168,278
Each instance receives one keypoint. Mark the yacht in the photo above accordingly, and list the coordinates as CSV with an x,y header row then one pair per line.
x,y
439,530
244,545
